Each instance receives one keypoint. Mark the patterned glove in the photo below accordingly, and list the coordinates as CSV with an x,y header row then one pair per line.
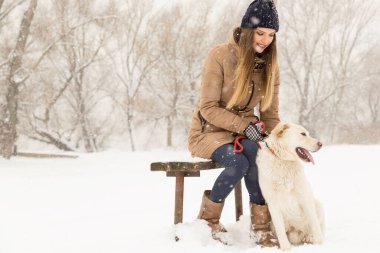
x,y
256,131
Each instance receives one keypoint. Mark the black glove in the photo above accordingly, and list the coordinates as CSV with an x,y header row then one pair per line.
x,y
256,131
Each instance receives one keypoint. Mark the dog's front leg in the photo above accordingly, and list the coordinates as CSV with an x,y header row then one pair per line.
x,y
279,225
309,208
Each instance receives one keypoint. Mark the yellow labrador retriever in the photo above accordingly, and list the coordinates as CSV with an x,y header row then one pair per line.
x,y
297,217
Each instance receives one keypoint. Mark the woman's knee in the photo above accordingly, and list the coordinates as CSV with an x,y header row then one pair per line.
x,y
250,148
223,152
236,165
232,162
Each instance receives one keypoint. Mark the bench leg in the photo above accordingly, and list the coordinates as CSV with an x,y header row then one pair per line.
x,y
179,189
238,201
178,208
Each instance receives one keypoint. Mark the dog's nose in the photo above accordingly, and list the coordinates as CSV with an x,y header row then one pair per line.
x,y
319,144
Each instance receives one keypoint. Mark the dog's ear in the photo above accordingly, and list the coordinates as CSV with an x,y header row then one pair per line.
x,y
280,130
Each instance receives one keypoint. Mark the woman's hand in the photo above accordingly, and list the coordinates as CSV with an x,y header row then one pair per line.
x,y
256,131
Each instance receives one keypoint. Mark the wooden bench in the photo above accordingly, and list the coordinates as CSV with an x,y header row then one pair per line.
x,y
182,169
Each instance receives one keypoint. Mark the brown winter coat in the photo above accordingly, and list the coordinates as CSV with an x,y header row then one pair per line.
x,y
212,124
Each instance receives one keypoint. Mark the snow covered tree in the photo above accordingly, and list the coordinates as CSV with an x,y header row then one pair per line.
x,y
133,58
67,109
14,78
321,45
183,41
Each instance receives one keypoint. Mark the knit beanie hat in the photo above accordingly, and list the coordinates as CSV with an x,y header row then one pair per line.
x,y
261,13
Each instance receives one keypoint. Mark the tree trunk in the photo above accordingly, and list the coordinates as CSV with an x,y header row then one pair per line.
x,y
9,122
169,132
130,128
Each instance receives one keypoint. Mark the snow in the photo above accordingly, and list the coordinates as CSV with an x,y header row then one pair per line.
x,y
111,202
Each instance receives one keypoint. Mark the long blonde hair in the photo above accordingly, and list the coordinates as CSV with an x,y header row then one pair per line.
x,y
245,67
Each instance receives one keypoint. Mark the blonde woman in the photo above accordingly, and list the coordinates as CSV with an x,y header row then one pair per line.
x,y
237,77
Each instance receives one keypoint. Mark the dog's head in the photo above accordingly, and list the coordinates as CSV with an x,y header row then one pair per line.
x,y
295,141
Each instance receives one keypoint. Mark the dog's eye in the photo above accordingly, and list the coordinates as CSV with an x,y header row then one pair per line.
x,y
304,134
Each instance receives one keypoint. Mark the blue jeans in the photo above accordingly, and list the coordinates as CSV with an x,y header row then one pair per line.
x,y
237,166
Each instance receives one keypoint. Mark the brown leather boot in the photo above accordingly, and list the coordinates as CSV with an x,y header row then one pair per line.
x,y
260,226
211,211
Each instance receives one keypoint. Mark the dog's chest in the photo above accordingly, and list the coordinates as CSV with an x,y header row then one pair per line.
x,y
286,177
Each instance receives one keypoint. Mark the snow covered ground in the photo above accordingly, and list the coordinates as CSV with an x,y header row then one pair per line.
x,y
111,202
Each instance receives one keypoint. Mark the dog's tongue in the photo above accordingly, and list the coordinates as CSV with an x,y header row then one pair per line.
x,y
308,156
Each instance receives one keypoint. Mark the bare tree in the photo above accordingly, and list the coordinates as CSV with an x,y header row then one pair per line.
x,y
6,9
8,134
83,76
180,64
183,42
133,58
350,52
319,48
70,83
361,121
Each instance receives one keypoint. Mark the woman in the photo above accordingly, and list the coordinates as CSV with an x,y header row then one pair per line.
x,y
236,78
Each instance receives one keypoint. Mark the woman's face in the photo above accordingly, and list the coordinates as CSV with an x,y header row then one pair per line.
x,y
262,38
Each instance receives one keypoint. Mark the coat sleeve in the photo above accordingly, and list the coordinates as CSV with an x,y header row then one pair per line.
x,y
271,116
211,95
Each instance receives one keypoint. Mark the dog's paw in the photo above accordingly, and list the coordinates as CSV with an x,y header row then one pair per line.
x,y
307,239
313,239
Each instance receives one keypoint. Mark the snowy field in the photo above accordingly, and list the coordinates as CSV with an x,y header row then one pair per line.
x,y
111,202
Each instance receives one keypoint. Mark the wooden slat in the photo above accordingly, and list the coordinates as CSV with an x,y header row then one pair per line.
x,y
184,166
184,173
40,155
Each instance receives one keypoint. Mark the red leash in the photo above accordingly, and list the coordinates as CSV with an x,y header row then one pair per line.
x,y
237,145
238,148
